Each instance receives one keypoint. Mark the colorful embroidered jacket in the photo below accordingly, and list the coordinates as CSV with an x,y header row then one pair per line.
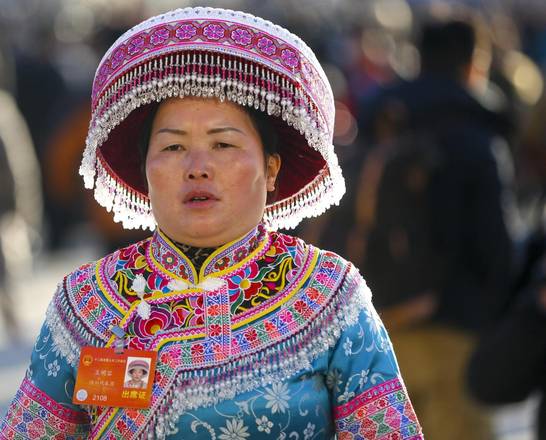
x,y
286,345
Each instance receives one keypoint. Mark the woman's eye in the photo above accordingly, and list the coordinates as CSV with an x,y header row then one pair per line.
x,y
222,145
173,147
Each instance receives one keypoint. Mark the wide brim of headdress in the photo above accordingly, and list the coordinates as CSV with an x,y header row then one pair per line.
x,y
221,54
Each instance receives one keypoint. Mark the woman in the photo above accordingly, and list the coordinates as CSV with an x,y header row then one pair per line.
x,y
138,370
256,333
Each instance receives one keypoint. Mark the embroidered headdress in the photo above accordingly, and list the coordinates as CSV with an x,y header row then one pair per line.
x,y
208,52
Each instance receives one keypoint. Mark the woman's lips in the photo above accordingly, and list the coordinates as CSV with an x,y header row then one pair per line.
x,y
200,199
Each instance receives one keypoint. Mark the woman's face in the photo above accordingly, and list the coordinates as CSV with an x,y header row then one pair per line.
x,y
137,373
206,172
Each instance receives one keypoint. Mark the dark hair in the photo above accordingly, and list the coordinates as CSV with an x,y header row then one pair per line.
x,y
261,121
447,48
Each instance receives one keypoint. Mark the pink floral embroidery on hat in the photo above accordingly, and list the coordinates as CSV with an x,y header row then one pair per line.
x,y
186,32
104,72
117,58
136,45
159,36
267,46
241,36
289,58
214,32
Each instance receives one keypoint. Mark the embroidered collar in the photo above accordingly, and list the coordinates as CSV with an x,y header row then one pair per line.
x,y
166,257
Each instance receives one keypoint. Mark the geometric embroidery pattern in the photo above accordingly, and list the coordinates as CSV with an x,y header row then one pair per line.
x,y
382,412
34,415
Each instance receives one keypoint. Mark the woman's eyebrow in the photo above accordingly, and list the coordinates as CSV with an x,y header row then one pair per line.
x,y
172,131
211,131
224,129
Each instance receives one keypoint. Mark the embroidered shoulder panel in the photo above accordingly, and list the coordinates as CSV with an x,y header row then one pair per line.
x,y
275,307
79,315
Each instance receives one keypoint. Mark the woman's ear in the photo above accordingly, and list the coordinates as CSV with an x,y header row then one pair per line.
x,y
272,170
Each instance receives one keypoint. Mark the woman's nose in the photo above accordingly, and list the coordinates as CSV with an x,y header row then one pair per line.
x,y
199,167
198,174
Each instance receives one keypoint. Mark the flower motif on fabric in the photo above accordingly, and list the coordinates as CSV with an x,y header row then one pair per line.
x,y
324,279
197,350
346,396
286,316
270,328
92,304
363,377
333,380
85,289
158,320
81,275
241,36
245,281
251,335
215,330
313,294
136,45
159,36
117,58
277,397
234,430
348,347
36,429
239,255
289,58
53,368
168,259
264,424
379,340
214,31
169,357
303,309
222,263
309,431
186,32
267,46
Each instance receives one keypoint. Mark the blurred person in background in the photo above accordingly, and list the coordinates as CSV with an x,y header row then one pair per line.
x,y
429,225
509,363
70,206
20,196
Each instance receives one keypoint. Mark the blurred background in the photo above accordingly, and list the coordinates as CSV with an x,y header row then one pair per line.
x,y
440,128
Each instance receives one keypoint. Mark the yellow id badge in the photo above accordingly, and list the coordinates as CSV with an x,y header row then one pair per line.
x,y
106,378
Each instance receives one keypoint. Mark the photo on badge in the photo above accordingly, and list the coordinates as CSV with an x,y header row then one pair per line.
x,y
136,373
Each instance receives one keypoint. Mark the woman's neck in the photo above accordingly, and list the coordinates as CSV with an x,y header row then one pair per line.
x,y
197,255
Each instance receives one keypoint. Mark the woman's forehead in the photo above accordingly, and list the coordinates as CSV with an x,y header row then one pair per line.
x,y
207,111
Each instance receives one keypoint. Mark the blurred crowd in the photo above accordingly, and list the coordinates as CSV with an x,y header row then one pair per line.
x,y
440,109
